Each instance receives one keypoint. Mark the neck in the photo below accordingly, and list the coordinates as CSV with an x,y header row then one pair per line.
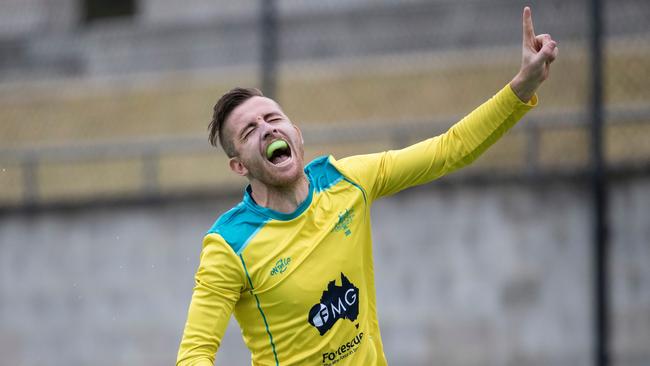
x,y
282,199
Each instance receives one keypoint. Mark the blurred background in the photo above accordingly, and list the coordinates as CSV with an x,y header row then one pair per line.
x,y
108,183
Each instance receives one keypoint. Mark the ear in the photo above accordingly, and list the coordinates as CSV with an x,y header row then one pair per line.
x,y
238,166
302,140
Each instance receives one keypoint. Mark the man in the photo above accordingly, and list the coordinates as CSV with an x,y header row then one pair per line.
x,y
293,260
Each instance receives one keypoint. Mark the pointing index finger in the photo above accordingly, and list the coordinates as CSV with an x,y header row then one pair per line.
x,y
529,32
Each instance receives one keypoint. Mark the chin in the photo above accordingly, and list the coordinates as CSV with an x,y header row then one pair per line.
x,y
285,179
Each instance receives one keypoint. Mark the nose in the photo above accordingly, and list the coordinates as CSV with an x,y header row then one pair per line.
x,y
269,129
270,132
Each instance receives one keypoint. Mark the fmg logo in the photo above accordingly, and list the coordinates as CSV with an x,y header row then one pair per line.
x,y
337,302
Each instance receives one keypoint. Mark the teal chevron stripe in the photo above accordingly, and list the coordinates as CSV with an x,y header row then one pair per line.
x,y
259,307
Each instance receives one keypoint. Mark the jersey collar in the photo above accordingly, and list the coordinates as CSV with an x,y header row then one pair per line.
x,y
250,202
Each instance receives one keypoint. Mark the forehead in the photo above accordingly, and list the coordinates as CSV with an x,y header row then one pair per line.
x,y
250,110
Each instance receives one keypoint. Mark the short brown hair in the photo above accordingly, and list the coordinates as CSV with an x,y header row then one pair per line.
x,y
225,105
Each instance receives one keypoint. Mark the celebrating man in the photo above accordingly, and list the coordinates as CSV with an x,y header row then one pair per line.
x,y
293,260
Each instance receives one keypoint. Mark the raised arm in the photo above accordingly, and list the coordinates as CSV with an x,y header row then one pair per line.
x,y
389,172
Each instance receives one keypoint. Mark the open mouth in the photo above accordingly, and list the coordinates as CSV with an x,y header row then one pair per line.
x,y
278,152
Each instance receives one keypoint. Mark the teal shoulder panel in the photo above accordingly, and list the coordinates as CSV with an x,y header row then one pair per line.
x,y
238,226
322,173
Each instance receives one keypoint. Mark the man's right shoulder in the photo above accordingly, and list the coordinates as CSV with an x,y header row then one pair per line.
x,y
226,218
237,226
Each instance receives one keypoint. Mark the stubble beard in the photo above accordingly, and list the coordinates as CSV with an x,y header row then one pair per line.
x,y
280,181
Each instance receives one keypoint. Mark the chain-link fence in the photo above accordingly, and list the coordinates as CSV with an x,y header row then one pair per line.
x,y
108,103
408,68
372,76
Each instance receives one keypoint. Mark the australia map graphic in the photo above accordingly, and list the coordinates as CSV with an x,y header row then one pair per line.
x,y
337,302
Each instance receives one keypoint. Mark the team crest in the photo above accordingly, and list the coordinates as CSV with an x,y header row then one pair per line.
x,y
345,219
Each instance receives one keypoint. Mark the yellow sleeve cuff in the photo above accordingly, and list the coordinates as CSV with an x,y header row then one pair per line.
x,y
511,95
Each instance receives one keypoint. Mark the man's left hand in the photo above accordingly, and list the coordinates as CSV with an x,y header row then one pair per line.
x,y
538,52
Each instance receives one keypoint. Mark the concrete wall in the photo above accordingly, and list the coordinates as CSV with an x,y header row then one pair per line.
x,y
466,275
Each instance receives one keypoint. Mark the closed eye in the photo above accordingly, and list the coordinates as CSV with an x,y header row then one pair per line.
x,y
248,132
273,117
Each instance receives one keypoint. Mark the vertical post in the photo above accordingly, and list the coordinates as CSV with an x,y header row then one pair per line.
x,y
30,180
269,46
532,144
599,190
150,174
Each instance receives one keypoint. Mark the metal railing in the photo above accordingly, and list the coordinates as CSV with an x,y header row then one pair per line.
x,y
149,151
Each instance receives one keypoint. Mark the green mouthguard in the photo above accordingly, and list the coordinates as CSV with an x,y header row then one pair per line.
x,y
275,145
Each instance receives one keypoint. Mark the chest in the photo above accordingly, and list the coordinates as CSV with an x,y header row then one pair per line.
x,y
293,260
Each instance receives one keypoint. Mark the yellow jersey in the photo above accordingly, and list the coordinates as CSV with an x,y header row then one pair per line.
x,y
301,285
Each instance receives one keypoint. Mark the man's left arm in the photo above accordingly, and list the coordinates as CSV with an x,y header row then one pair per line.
x,y
395,170
463,143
